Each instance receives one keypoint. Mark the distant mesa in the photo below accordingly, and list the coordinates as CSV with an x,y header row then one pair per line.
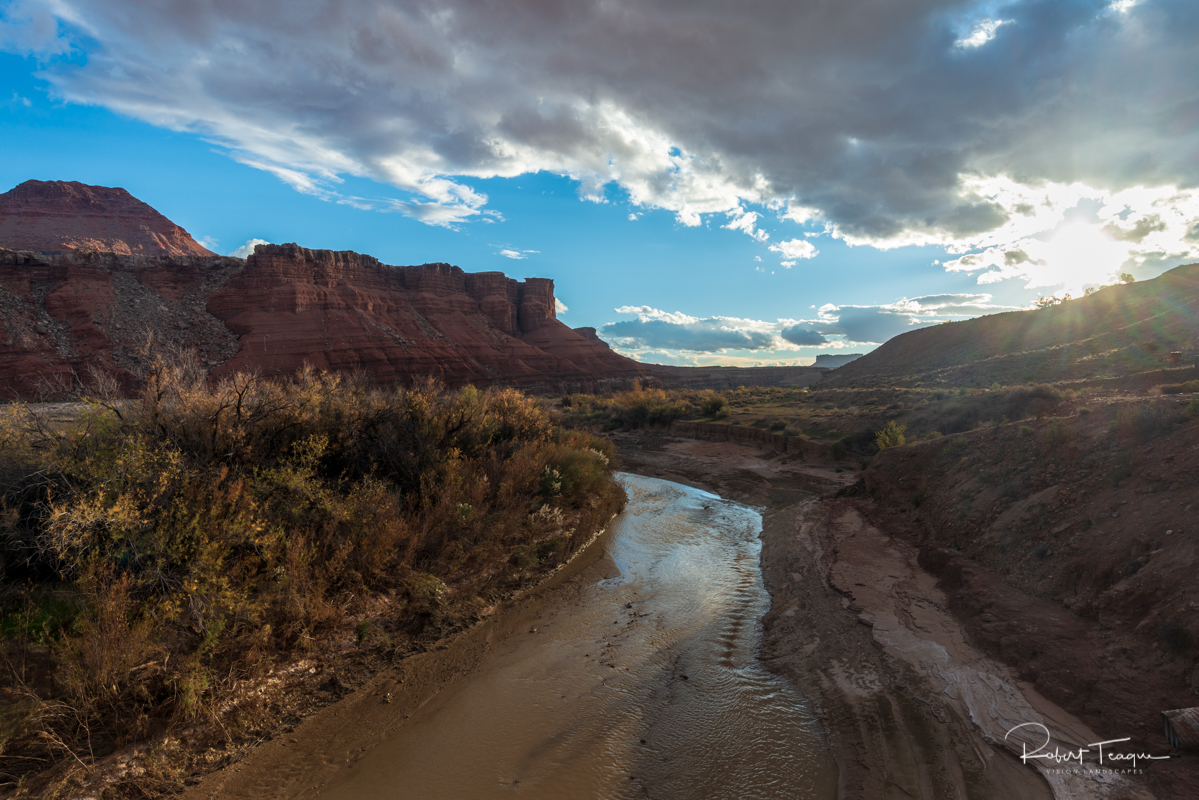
x,y
65,216
834,361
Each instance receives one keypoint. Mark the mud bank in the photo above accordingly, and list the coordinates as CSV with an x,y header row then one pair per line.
x,y
911,708
301,760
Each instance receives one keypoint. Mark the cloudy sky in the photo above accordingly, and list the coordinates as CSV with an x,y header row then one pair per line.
x,y
705,182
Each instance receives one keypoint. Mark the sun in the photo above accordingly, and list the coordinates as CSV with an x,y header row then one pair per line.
x,y
1075,256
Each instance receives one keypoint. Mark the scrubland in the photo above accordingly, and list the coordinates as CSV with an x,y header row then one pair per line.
x,y
166,557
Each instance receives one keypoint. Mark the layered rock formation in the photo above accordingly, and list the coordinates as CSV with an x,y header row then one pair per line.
x,y
283,307
346,311
833,361
61,216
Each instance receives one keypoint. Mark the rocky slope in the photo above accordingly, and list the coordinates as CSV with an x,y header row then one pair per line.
x,y
1067,547
1117,332
284,306
60,216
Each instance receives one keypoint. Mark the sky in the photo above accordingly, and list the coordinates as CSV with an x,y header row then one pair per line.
x,y
706,183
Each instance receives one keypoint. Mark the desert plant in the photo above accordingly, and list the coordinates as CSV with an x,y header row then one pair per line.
x,y
712,405
890,435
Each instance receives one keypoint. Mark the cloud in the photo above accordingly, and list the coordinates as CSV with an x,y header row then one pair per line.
x,y
517,255
982,33
744,221
248,248
876,324
798,334
676,331
689,339
901,118
795,249
560,307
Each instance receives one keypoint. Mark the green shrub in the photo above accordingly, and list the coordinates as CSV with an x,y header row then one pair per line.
x,y
1189,387
1192,408
712,405
891,435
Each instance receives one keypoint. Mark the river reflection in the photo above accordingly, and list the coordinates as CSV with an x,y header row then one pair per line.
x,y
647,687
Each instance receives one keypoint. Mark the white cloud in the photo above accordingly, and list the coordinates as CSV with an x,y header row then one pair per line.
x,y
1072,236
744,221
902,117
560,307
794,249
982,33
246,249
835,327
517,255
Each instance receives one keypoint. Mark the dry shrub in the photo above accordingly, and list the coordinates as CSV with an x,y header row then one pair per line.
x,y
245,518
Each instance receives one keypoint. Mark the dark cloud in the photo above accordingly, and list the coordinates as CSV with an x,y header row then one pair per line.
x,y
800,335
698,335
871,113
872,324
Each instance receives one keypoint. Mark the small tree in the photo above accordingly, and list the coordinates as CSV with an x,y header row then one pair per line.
x,y
1126,277
890,436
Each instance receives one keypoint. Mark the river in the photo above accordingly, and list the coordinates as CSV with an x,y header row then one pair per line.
x,y
647,685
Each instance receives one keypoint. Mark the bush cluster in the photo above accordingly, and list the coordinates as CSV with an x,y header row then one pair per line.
x,y
158,551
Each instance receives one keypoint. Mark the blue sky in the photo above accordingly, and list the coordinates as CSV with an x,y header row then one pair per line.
x,y
703,186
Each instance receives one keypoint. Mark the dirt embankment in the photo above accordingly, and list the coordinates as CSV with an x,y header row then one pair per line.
x,y
912,706
1068,549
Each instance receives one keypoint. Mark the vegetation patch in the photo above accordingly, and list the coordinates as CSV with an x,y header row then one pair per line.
x,y
160,553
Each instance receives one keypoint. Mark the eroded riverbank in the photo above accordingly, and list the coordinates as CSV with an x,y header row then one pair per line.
x,y
910,708
907,707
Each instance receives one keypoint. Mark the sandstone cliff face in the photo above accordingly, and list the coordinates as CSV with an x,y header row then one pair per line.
x,y
346,311
61,216
286,306
60,314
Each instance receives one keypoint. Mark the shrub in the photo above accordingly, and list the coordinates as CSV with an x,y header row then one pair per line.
x,y
225,526
712,405
1058,434
1142,421
1192,408
891,435
1188,387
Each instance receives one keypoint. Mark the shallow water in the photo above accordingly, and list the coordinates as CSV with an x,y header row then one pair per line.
x,y
647,687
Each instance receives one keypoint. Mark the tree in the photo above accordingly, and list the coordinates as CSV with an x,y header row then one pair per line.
x,y
1126,277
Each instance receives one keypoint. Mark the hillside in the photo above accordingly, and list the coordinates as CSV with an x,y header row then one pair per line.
x,y
282,307
61,216
1117,332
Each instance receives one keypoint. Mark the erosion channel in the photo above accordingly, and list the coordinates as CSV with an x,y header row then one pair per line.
x,y
645,685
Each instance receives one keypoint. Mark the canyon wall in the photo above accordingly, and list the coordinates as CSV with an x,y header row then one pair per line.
x,y
284,306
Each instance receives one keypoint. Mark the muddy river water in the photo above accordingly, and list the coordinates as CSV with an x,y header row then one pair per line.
x,y
646,686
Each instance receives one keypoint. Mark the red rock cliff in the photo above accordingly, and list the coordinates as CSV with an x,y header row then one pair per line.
x,y
346,311
60,216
